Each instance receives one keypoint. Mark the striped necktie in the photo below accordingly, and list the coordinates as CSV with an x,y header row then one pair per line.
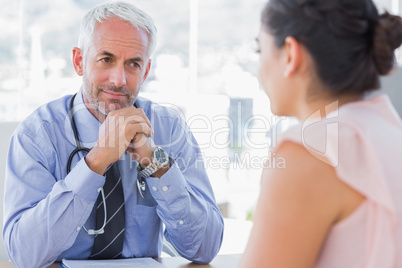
x,y
109,245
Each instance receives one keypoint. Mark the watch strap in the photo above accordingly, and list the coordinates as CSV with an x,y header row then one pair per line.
x,y
155,164
148,170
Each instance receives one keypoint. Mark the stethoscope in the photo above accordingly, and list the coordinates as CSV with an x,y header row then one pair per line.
x,y
79,148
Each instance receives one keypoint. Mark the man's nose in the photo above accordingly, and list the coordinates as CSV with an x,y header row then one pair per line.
x,y
118,76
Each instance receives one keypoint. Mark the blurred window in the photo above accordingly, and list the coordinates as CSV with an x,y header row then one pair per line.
x,y
205,66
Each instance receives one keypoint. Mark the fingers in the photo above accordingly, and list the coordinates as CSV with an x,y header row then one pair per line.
x,y
138,128
119,130
141,149
131,115
140,112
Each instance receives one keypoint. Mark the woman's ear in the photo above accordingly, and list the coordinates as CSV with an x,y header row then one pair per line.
x,y
294,56
78,61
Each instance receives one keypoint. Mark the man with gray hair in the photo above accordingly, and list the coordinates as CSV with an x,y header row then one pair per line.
x,y
100,174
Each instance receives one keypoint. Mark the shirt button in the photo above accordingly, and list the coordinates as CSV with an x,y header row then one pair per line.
x,y
165,188
78,229
181,222
154,188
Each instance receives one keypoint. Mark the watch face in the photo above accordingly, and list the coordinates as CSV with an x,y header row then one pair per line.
x,y
161,156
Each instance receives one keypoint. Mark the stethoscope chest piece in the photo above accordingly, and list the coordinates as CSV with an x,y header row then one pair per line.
x,y
141,186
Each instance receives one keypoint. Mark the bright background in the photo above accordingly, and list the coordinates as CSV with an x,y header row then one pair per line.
x,y
205,66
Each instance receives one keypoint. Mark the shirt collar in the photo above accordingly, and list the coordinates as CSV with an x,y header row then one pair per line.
x,y
87,124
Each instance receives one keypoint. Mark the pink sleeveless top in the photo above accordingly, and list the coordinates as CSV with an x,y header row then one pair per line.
x,y
363,141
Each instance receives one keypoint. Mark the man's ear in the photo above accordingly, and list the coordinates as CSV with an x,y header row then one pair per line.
x,y
294,55
147,71
78,61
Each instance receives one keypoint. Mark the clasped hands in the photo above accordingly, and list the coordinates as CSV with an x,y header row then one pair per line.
x,y
124,130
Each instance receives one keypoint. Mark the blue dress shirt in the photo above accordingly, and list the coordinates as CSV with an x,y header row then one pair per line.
x,y
45,209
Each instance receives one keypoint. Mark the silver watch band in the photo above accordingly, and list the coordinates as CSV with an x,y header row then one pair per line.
x,y
149,170
160,159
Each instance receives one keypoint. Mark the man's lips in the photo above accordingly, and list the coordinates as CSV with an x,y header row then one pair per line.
x,y
114,95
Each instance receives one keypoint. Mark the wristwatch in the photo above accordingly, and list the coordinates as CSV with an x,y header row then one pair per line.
x,y
160,159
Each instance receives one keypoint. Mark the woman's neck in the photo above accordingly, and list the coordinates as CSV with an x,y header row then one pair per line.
x,y
321,106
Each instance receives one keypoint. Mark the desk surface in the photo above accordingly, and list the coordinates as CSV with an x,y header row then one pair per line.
x,y
220,261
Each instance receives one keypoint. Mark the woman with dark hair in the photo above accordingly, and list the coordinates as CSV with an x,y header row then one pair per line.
x,y
337,202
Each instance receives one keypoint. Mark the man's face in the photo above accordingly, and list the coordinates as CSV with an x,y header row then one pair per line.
x,y
115,65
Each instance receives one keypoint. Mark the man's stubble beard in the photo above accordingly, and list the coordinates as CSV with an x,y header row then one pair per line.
x,y
91,93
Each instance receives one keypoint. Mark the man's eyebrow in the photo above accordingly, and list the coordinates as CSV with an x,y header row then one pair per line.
x,y
136,59
106,53
109,54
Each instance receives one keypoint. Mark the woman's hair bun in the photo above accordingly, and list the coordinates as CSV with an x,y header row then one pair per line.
x,y
350,43
387,37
